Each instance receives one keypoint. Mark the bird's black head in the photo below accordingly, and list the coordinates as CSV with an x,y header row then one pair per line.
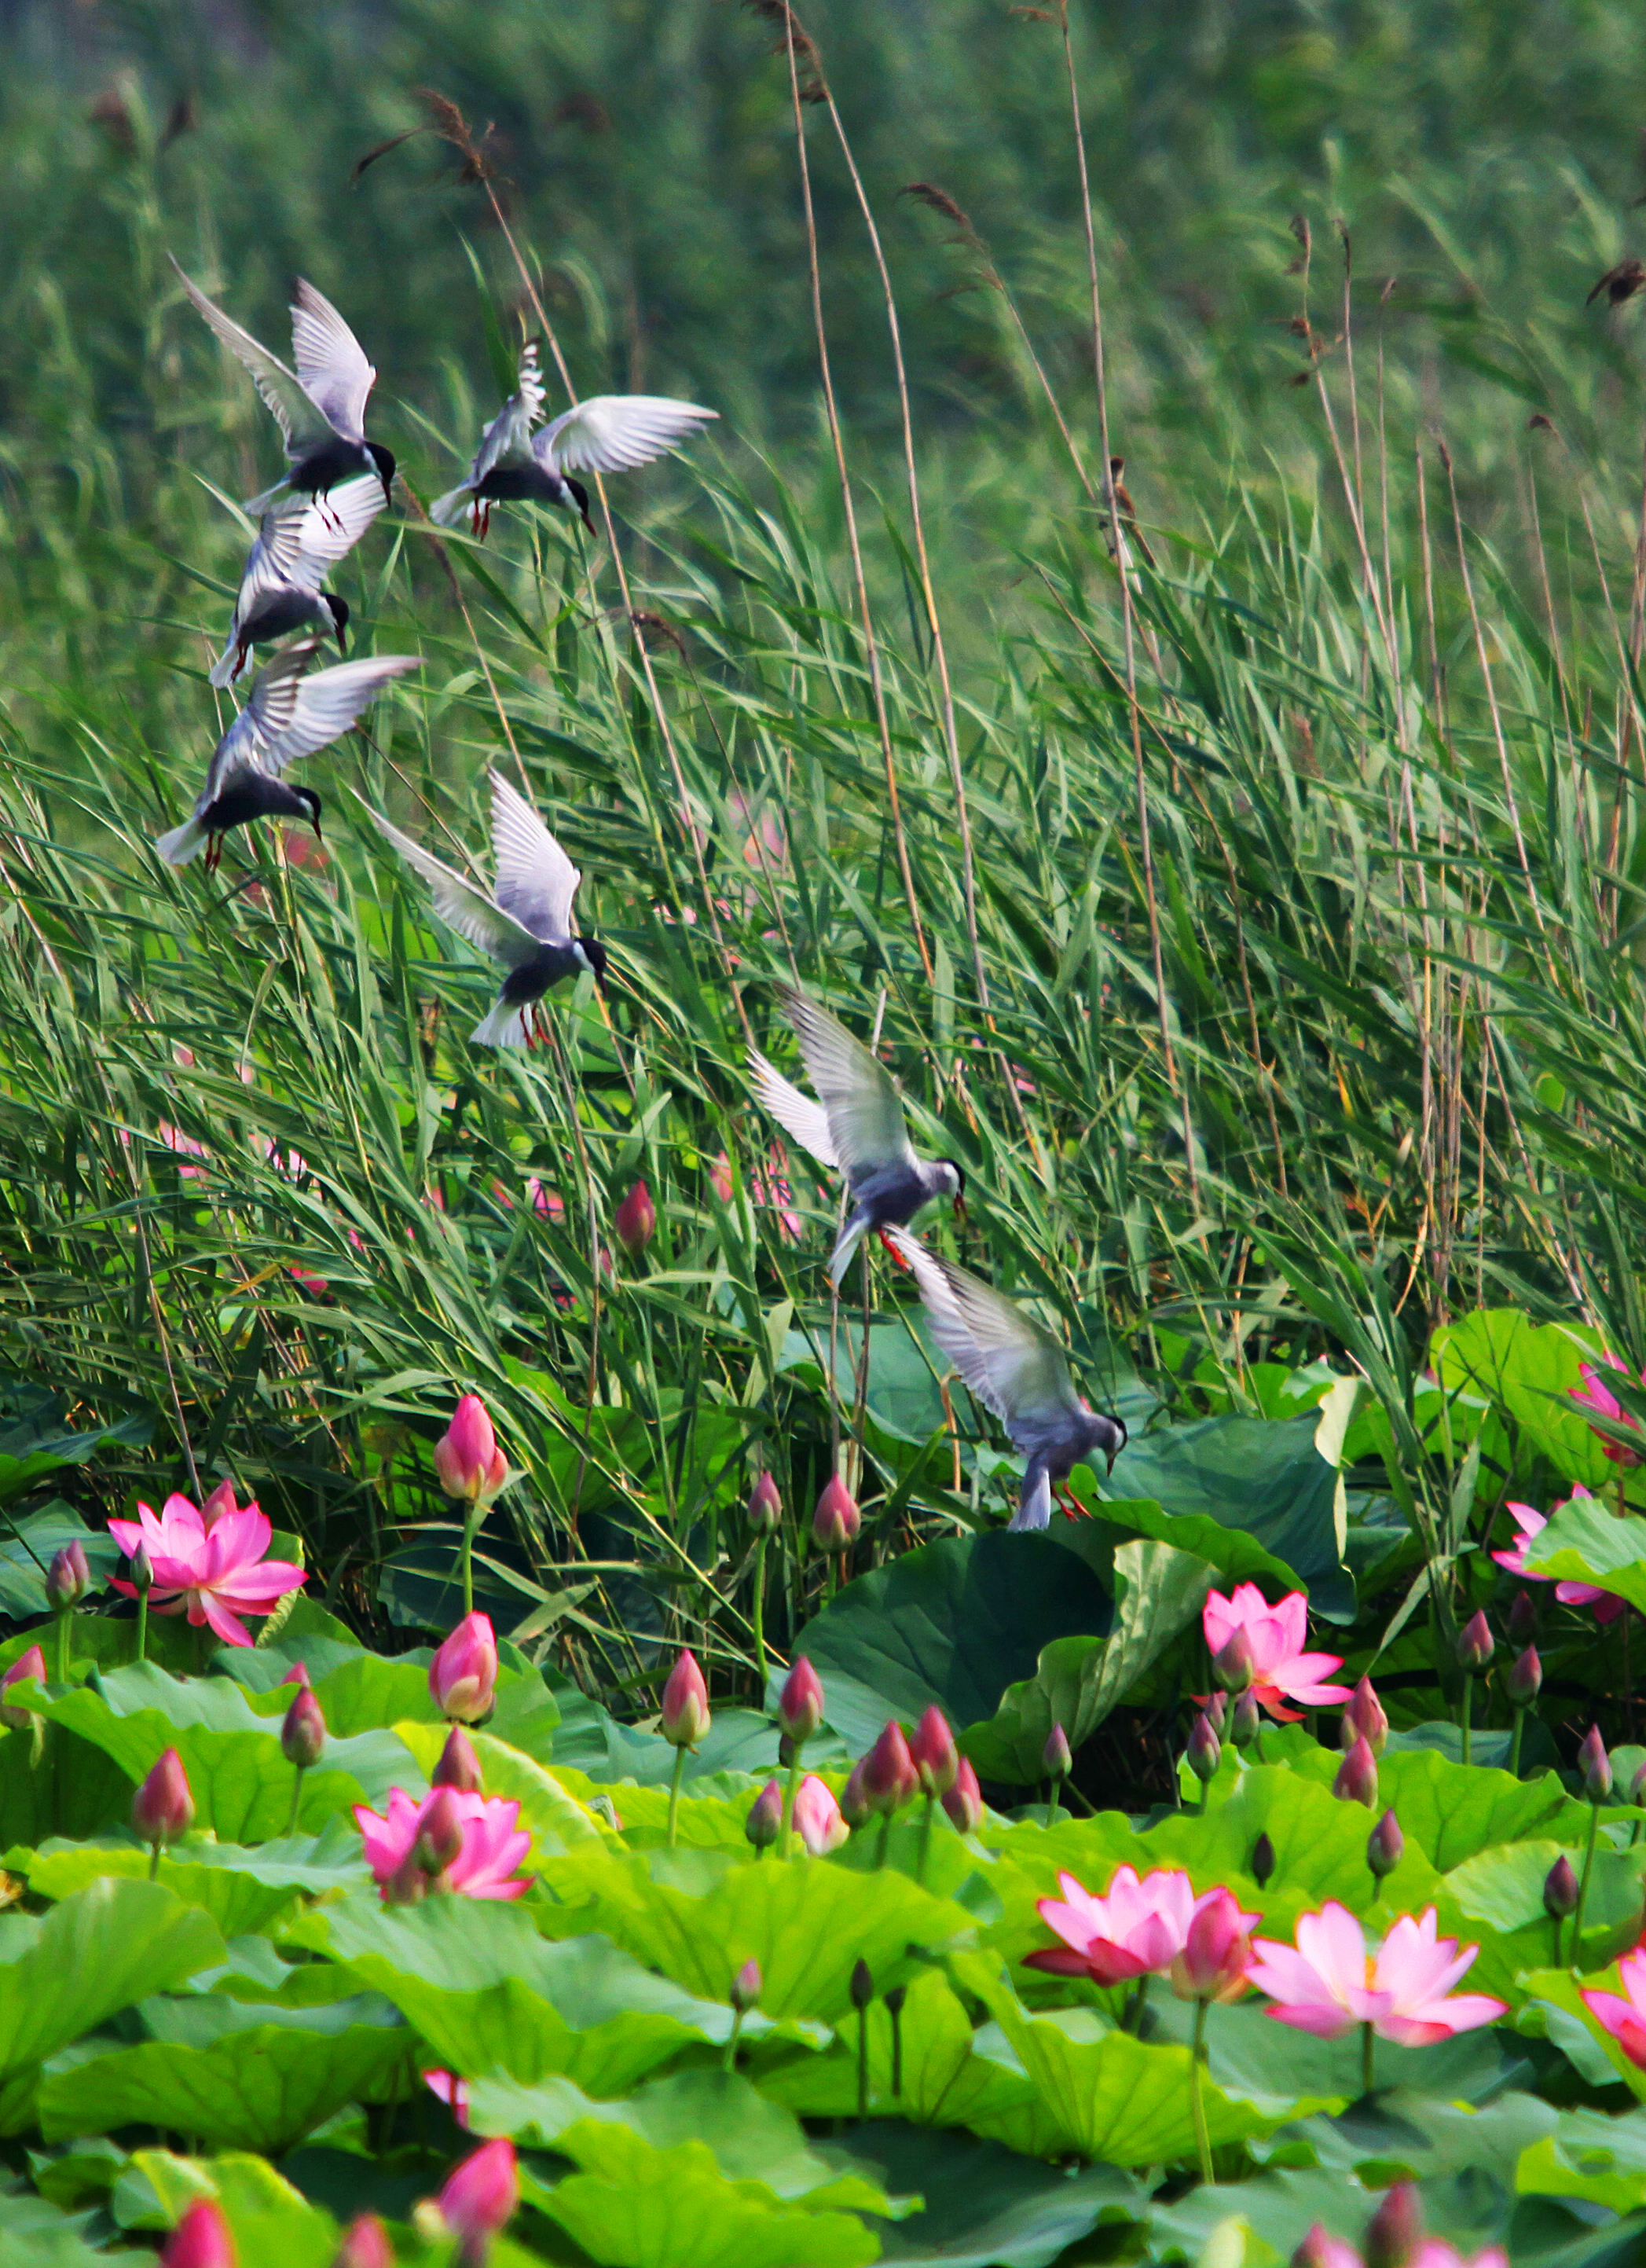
x,y
594,952
311,803
384,460
582,496
339,609
959,1171
1117,1436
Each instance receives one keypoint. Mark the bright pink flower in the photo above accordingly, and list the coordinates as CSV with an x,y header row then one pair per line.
x,y
817,1820
452,2091
1216,1950
1594,1395
1320,2249
32,1664
366,2244
163,1807
463,1675
480,2197
1606,1604
494,1842
1329,1982
1281,1670
466,1456
1135,1929
1625,2019
685,1716
201,2240
217,1575
220,1500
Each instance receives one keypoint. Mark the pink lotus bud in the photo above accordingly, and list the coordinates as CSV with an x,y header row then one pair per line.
x,y
220,1500
302,1735
836,1521
634,1223
1385,1846
888,1771
298,1675
963,1802
32,1664
745,1993
765,1822
68,1578
817,1818
1234,1664
1263,1861
1243,1725
466,1453
861,1985
1205,1750
440,1836
366,2245
1595,1766
854,1807
141,1570
1357,1780
1216,1952
163,1807
1523,1619
686,1717
480,2198
935,1759
1396,2229
1365,1719
458,1767
463,1675
408,1884
1215,1711
1319,2249
1523,1679
1475,1643
1056,1755
765,1506
201,2240
800,1704
1560,1889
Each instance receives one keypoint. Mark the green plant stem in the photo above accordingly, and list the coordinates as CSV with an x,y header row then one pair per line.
x,y
297,1799
894,2000
1554,1926
1197,2100
880,1848
925,1839
730,2060
674,1794
1582,1887
465,1564
786,1837
1514,1745
60,1649
863,2063
1051,1803
154,1862
141,1651
759,1614
1464,1711
1132,2017
1368,2046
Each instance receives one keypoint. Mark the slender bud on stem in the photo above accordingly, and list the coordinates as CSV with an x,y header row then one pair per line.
x,y
1560,1889
634,1223
1205,1750
764,1824
1217,1711
856,1808
1364,1718
458,1767
1056,1755
765,1509
963,1802
935,1759
889,1777
163,1808
800,1704
1244,1723
68,1578
1396,2229
836,1521
1595,1766
1523,1619
745,1993
1522,1680
685,1715
440,1837
1357,1780
141,1570
861,1985
1263,1861
1475,1643
1385,1846
1233,1664
303,1734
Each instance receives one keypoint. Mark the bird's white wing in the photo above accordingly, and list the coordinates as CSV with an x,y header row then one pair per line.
x,y
300,542
536,881
269,709
300,419
329,702
798,1115
461,905
510,431
331,365
275,562
613,432
859,1095
1003,1355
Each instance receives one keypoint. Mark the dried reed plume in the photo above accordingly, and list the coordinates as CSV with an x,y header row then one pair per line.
x,y
813,86
448,123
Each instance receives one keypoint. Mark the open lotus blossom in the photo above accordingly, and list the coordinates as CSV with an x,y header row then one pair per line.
x,y
216,1572
1595,1394
493,1841
1320,2249
1135,1929
1329,1982
1606,1604
1281,1670
1625,2018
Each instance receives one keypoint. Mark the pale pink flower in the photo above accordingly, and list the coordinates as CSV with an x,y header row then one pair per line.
x,y
770,1190
1320,2249
1281,1670
481,2197
450,2090
494,1842
218,1575
32,1664
1606,1604
817,1818
1625,2019
1595,1394
185,1145
1329,1982
1135,1929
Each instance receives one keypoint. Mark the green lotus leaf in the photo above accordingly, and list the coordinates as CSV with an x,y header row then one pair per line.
x,y
551,1813
1527,1370
1558,1992
1497,1900
1590,2155
985,2207
1585,1542
242,1889
271,2222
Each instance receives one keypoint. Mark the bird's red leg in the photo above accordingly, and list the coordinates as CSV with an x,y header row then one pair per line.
x,y
892,1252
1071,1503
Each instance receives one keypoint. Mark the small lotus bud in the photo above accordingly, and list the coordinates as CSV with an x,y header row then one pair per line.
x,y
854,1807
303,1734
861,1985
836,1521
786,1751
818,1820
1245,1722
466,1457
744,1990
201,2239
163,1808
1263,1861
1056,1755
366,2245
963,1802
1205,1750
1595,1765
686,1716
141,1570
1233,1663
765,1506
1216,1952
458,1767
1215,1711
634,1223
1365,1719
1475,1643
1523,1619
298,1675
68,1578
440,1832
480,2198
1560,1889
936,1759
1357,1780
765,1822
1320,2250
1396,2229
32,1664
408,1884
1385,1846
800,1704
888,1771
1637,1785
463,1675
1523,1679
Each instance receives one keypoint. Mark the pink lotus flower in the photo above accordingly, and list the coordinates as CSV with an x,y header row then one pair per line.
x,y
217,1574
1216,1950
220,1500
186,1146
201,2240
1625,2019
32,1664
817,1820
1319,2249
466,1457
1606,1604
450,2090
481,2197
1329,1982
1594,1395
366,2244
634,1223
493,1841
1135,1929
770,1189
1281,1670
463,1675
685,1717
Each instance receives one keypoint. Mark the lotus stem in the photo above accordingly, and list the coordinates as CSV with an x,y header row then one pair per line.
x,y
862,2061
1197,2100
759,1614
141,1651
154,1862
1514,1745
1465,1710
1582,1887
1368,2046
60,1649
883,1842
894,2000
297,1799
466,1561
674,1795
786,1835
925,1839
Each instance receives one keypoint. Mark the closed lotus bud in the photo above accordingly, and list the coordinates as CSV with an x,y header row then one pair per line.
x,y
1245,1722
800,1704
819,1819
1475,1643
1205,1750
32,1664
1523,1681
1560,1889
466,1452
366,2245
1357,1780
765,1822
1395,2231
745,1990
1365,1719
854,1807
1217,1711
459,1766
1523,1619
1595,1766
1054,1755
201,2239
480,2198
634,1223
298,1675
408,1884
440,1835
463,1675
1386,1846
1216,1952
836,1521
141,1570
303,1734
1233,1663
786,1751
1263,1861
163,1808
686,1716
888,1771
68,1578
765,1506
861,1985
963,1802
936,1759
1319,2249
